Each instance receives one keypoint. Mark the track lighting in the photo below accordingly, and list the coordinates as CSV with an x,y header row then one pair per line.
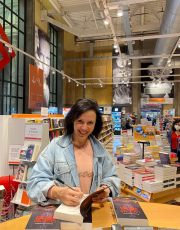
x,y
120,12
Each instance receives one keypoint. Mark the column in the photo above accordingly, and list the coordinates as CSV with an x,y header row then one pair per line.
x,y
30,43
136,89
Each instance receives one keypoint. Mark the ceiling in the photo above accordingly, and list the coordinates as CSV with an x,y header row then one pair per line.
x,y
141,20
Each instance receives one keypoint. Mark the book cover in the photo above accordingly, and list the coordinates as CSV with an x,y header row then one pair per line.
x,y
29,172
164,158
20,172
29,152
129,212
42,218
23,152
25,199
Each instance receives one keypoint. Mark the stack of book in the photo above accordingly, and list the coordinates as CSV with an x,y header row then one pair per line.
x,y
125,140
152,186
128,157
167,174
141,176
146,162
129,174
177,175
154,150
121,170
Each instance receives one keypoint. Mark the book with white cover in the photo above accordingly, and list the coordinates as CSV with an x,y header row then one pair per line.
x,y
69,213
146,162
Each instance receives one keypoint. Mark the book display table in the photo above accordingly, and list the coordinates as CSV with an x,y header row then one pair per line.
x,y
159,215
158,197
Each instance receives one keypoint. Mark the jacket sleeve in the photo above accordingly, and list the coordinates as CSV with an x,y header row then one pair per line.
x,y
42,177
109,175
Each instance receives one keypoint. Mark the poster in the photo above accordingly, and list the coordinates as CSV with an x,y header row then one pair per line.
x,y
35,87
42,52
121,92
33,131
146,133
14,152
156,87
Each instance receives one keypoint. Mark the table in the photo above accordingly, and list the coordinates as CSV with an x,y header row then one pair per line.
x,y
159,215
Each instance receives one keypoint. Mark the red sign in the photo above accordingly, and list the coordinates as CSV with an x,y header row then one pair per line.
x,y
156,99
35,87
6,59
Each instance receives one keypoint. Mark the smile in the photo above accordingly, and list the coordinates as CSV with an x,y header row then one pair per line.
x,y
81,133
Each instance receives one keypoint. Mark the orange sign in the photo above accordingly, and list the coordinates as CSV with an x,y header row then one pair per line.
x,y
146,133
35,87
156,99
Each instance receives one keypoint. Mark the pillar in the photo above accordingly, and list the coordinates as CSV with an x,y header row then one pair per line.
x,y
136,89
176,101
30,43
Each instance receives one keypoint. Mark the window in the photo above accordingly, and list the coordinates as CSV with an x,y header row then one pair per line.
x,y
53,77
12,18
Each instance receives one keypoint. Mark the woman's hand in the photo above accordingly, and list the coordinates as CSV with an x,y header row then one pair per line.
x,y
67,195
103,196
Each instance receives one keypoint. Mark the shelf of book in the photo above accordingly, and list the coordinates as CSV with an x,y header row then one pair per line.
x,y
105,143
20,181
157,197
56,128
106,130
105,136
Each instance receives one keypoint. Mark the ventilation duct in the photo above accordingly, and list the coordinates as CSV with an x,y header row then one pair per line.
x,y
170,25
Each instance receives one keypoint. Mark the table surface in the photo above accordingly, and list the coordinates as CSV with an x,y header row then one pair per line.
x,y
159,215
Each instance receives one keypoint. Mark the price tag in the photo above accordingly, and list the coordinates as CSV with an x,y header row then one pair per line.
x,y
14,151
33,131
44,112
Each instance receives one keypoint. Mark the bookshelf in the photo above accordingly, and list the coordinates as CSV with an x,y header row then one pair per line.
x,y
107,131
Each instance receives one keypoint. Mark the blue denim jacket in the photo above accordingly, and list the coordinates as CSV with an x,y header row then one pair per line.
x,y
58,161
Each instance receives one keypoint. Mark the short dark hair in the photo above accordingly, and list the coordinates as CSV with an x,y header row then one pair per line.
x,y
175,122
80,107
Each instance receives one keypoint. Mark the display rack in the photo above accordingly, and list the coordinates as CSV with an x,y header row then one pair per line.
x,y
107,131
116,116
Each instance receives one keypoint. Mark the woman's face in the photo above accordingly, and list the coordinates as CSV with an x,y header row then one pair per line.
x,y
84,125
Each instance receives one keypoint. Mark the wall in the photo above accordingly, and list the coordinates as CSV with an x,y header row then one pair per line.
x,y
167,108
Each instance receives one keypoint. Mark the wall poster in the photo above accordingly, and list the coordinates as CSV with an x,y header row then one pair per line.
x,y
42,52
121,92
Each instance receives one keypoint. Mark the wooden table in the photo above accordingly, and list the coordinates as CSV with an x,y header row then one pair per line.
x,y
159,215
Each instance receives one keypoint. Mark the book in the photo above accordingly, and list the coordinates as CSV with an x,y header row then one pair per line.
x,y
42,218
23,152
29,152
87,223
20,172
36,153
18,195
29,172
129,212
25,199
103,215
164,158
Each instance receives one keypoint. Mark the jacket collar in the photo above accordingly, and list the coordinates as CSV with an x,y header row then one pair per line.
x,y
98,149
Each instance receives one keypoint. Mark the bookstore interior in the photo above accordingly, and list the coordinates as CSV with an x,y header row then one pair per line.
x,y
98,82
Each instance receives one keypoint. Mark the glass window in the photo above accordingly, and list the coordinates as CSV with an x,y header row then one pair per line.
x,y
15,6
20,91
7,14
13,105
21,8
20,105
14,90
12,76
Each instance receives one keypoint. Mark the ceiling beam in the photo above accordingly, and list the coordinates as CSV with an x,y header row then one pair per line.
x,y
68,20
153,11
149,27
101,13
81,7
114,5
56,5
46,18
135,9
88,21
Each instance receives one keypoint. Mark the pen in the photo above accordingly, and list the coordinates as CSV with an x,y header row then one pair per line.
x,y
62,182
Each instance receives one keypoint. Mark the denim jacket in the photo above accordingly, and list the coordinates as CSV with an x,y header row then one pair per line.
x,y
58,161
169,134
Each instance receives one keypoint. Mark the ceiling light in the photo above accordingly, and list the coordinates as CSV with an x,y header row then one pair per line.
x,y
120,12
125,74
116,85
125,43
122,80
10,50
133,42
159,80
69,80
154,79
169,60
53,72
143,84
115,45
169,64
77,84
170,71
106,21
84,86
129,73
116,51
101,85
129,62
127,85
179,45
172,83
127,80
63,77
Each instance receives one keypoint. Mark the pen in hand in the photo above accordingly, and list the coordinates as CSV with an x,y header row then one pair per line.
x,y
62,182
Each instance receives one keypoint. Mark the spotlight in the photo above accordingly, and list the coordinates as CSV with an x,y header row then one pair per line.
x,y
170,71
84,86
133,42
129,73
116,85
116,51
101,85
169,60
169,63
120,12
115,45
77,84
129,62
172,83
143,84
106,21
69,80
122,80
53,72
127,84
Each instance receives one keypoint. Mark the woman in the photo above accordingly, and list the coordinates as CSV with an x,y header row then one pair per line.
x,y
174,138
128,123
78,159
